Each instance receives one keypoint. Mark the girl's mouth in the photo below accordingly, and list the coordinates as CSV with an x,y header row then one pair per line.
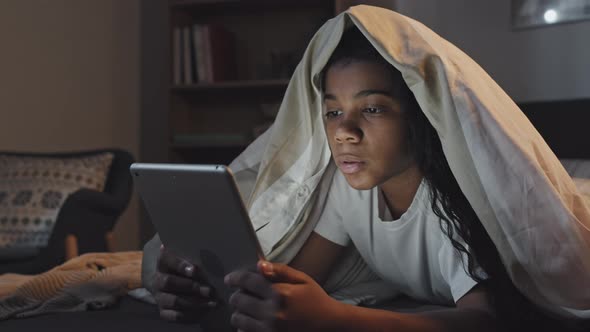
x,y
350,167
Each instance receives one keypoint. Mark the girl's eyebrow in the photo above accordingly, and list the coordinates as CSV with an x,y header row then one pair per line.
x,y
363,93
369,92
329,96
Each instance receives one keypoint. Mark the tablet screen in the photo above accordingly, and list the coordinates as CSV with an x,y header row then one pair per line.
x,y
199,215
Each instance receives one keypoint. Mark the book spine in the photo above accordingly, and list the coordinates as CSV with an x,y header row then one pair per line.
x,y
207,53
199,57
188,68
222,53
177,55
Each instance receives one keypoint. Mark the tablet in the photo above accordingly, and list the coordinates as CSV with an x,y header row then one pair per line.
x,y
199,215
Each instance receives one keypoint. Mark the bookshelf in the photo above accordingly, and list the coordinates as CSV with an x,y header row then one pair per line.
x,y
232,85
212,117
212,122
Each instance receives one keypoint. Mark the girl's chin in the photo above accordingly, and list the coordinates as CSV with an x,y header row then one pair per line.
x,y
359,182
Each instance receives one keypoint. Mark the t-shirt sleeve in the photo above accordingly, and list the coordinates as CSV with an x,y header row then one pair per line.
x,y
454,272
331,226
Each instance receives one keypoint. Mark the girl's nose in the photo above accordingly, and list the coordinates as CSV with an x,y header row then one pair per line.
x,y
348,132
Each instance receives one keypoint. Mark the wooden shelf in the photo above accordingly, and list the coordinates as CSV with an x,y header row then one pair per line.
x,y
181,4
270,37
209,141
210,145
214,122
254,84
184,3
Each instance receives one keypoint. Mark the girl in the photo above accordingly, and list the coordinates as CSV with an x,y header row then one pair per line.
x,y
436,188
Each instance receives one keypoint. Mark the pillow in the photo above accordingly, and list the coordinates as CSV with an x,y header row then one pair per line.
x,y
33,189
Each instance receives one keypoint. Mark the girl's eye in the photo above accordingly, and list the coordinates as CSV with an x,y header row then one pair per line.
x,y
373,110
332,114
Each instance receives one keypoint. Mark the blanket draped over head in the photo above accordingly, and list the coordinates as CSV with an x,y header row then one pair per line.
x,y
526,201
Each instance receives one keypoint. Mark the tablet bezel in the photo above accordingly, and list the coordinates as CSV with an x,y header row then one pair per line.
x,y
176,194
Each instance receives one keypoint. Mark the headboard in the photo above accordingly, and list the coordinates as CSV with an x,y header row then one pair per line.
x,y
565,125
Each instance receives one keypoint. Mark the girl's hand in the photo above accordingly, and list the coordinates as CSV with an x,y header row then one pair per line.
x,y
179,289
293,302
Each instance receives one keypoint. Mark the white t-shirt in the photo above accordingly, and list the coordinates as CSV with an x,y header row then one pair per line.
x,y
412,252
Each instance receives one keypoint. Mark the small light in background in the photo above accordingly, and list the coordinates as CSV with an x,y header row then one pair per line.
x,y
550,16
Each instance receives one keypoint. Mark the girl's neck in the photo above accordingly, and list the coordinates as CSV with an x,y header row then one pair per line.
x,y
399,191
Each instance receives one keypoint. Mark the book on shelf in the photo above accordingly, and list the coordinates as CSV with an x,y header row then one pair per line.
x,y
203,53
198,54
220,54
177,56
188,56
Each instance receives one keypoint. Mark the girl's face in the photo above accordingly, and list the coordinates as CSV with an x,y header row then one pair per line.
x,y
364,124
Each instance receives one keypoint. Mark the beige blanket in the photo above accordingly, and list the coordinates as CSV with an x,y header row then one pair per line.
x,y
91,281
524,198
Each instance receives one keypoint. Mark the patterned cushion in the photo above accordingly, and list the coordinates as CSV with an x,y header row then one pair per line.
x,y
33,189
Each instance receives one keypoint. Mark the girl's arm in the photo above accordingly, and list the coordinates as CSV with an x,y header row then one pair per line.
x,y
472,313
295,301
304,306
317,257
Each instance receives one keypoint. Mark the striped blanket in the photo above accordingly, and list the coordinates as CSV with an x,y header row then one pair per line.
x,y
88,282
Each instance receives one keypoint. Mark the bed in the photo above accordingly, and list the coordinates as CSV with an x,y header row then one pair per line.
x,y
563,124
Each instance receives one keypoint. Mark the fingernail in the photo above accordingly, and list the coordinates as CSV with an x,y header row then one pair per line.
x,y
266,267
205,291
226,279
161,246
211,304
188,270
